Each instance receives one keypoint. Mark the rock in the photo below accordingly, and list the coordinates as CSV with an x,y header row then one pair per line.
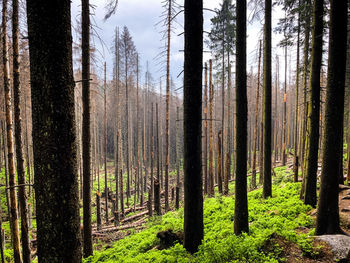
x,y
340,246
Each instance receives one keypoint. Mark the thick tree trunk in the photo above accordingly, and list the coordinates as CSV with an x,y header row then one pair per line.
x,y
193,210
22,196
54,135
241,200
311,146
327,221
267,189
12,204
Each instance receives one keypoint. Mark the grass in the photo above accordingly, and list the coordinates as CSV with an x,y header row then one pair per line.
x,y
282,214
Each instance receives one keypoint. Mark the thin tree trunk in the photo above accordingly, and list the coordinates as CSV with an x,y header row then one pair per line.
x,y
256,123
267,189
205,167
211,139
86,135
105,141
10,144
18,136
296,153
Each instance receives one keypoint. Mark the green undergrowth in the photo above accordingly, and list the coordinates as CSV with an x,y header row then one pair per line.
x,y
282,215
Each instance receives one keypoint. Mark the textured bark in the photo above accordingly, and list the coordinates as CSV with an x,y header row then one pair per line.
x,y
12,202
177,197
54,135
22,196
241,200
328,208
86,135
311,145
267,188
193,208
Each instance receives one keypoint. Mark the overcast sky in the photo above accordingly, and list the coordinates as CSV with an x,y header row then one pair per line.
x,y
141,17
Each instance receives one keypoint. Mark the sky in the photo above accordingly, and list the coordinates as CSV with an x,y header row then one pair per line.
x,y
141,17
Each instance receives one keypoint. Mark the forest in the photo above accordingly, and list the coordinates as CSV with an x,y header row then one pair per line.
x,y
230,144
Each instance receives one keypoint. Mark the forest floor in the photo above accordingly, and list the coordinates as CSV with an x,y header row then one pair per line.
x,y
281,230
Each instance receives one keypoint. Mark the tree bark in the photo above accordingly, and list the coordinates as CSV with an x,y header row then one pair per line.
x,y
54,134
267,188
12,204
22,196
193,208
327,221
241,200
311,146
86,135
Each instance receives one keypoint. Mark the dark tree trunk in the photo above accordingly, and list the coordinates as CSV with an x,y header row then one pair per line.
x,y
86,135
193,211
22,196
211,136
54,135
241,200
327,221
311,146
267,189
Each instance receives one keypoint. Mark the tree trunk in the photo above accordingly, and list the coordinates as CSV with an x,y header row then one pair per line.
x,y
219,161
18,136
10,147
267,189
256,123
86,135
241,200
296,153
193,210
211,139
311,146
54,134
327,221
205,157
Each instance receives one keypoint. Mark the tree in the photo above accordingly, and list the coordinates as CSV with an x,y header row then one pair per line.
x,y
22,196
267,189
127,55
311,145
12,202
54,135
193,210
86,135
327,221
241,200
221,41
